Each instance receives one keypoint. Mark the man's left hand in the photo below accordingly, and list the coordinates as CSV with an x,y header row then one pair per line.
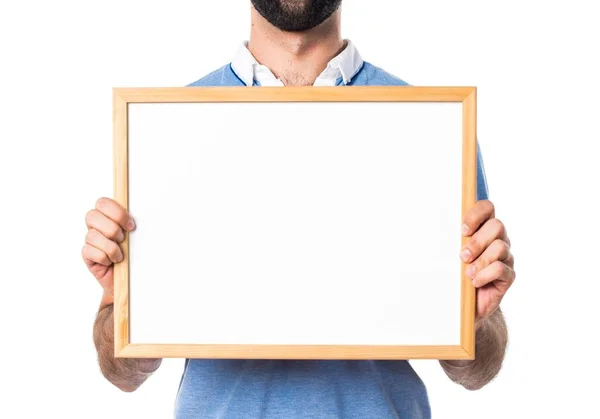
x,y
490,264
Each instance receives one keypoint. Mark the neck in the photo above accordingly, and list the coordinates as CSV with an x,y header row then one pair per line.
x,y
296,58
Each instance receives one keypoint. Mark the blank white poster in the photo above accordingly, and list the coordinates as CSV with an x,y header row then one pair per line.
x,y
295,223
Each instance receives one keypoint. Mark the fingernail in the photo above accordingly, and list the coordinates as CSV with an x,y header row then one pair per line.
x,y
474,282
130,225
471,271
464,229
465,255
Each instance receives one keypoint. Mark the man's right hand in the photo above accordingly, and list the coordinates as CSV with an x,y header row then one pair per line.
x,y
107,224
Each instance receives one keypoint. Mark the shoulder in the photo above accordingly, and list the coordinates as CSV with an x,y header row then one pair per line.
x,y
222,76
373,75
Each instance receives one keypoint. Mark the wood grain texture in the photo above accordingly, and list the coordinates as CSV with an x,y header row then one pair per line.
x,y
123,96
121,270
295,94
293,351
469,197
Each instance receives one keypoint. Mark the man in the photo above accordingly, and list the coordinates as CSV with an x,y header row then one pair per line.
x,y
292,43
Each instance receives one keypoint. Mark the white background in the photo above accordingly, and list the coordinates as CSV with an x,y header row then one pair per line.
x,y
535,65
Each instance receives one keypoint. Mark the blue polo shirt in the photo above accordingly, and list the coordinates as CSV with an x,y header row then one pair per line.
x,y
281,389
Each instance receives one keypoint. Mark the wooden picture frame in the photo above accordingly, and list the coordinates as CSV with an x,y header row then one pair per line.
x,y
123,97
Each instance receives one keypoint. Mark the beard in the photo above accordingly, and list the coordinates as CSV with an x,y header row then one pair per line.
x,y
296,15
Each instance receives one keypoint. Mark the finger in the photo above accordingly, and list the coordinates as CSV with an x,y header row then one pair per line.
x,y
498,250
510,261
116,213
94,219
498,272
92,256
481,212
493,229
109,247
488,305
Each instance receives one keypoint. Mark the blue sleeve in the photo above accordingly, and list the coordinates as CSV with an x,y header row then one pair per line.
x,y
482,187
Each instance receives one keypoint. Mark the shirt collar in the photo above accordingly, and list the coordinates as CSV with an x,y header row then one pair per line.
x,y
345,66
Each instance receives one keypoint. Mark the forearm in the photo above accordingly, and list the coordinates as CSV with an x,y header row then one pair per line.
x,y
125,373
491,339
